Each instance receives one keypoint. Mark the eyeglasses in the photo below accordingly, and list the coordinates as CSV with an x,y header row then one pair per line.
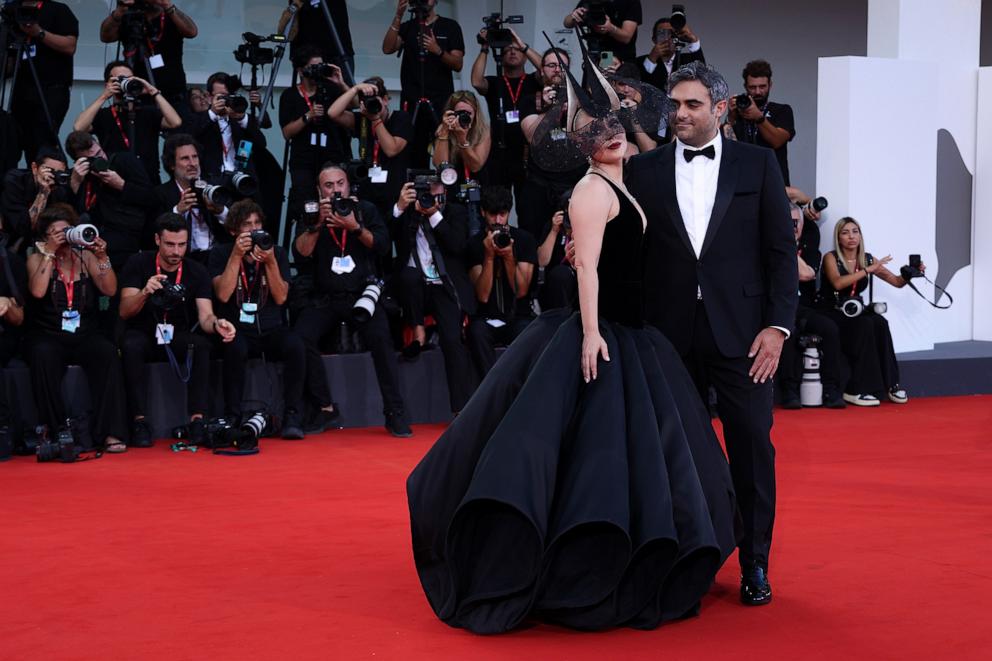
x,y
552,65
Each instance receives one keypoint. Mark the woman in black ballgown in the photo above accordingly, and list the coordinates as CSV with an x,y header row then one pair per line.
x,y
582,484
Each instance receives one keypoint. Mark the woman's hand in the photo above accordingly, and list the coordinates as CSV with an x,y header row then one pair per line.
x,y
593,345
878,264
99,249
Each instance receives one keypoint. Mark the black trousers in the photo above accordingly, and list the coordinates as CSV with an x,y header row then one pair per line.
x,y
278,344
867,342
140,347
483,339
29,114
9,347
316,321
833,366
49,354
419,298
746,414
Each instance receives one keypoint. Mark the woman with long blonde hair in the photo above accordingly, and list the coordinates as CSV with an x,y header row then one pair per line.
x,y
462,138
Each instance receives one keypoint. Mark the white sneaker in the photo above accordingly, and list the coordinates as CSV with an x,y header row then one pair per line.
x,y
897,395
861,400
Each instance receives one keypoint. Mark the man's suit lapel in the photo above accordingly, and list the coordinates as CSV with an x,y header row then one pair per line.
x,y
725,187
666,171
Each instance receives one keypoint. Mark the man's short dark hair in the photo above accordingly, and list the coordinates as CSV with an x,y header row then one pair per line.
x,y
113,65
52,214
79,141
709,77
333,165
47,153
564,54
170,222
221,77
380,85
496,199
757,69
663,19
241,211
306,53
173,143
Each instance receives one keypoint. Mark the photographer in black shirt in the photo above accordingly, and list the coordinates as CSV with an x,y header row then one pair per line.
x,y
612,25
432,278
113,191
501,267
160,28
13,288
50,44
343,242
164,296
760,121
27,193
133,121
251,284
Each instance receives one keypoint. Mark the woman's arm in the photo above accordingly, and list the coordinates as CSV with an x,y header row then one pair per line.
x,y
39,273
832,273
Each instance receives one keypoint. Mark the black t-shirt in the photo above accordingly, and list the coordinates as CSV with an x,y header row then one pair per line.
x,y
53,68
779,114
513,93
319,141
809,250
620,11
312,28
20,280
111,127
500,304
195,280
343,244
165,40
559,180
438,80
19,193
400,125
269,315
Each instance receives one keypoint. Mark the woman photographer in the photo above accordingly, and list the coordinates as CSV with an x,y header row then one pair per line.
x,y
463,138
66,282
865,337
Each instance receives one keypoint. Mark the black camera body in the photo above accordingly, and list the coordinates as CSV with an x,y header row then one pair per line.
x,y
498,37
252,53
130,86
62,177
597,11
742,101
21,12
98,164
372,104
912,270
464,118
169,296
419,8
318,71
63,449
236,102
422,182
342,205
502,237
261,239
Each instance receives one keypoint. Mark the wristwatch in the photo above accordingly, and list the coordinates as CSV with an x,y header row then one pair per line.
x,y
40,36
358,230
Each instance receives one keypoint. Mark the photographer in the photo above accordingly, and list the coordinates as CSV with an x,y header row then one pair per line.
x,y
179,195
613,25
164,296
810,321
131,122
158,28
462,138
384,139
65,283
670,50
865,338
313,138
27,193
760,121
432,49
343,245
560,286
501,268
13,286
504,95
310,29
432,278
114,192
251,284
50,43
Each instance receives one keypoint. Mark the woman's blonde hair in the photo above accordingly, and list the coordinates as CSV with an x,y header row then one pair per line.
x,y
862,259
476,132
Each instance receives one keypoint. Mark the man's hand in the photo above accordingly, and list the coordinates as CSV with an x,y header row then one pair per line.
x,y
766,350
213,207
752,113
263,256
45,180
154,284
579,14
349,222
557,221
401,7
429,43
225,329
111,89
80,169
111,178
255,98
606,28
148,88
488,246
506,253
687,35
316,113
5,303
242,245
219,105
336,76
407,196
517,41
30,29
186,201
661,52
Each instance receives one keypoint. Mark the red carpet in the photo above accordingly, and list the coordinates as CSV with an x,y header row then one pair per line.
x,y
882,550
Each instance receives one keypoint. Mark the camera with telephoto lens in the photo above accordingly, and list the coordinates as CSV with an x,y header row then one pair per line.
x,y
817,204
63,449
854,306
677,19
498,37
82,235
207,193
596,11
364,307
245,437
372,103
913,269
261,239
742,101
98,164
501,237
169,296
130,86
464,118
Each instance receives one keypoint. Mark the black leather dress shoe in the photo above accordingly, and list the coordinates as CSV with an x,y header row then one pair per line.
x,y
755,589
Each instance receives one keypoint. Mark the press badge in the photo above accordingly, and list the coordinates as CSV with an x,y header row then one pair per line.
x,y
164,333
248,311
512,116
30,51
156,61
342,265
377,175
70,321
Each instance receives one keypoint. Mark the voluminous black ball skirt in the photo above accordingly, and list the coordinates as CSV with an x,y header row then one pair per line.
x,y
587,505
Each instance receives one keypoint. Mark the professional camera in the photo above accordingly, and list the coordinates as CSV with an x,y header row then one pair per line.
x,y
318,71
62,177
241,183
501,237
422,181
742,101
817,204
677,19
63,449
130,86
342,205
596,11
245,437
98,164
371,103
912,270
447,173
498,37
82,235
236,103
21,12
364,307
464,118
169,296
262,239
251,52
212,194
853,307
470,192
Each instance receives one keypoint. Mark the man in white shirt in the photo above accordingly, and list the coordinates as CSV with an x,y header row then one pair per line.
x,y
671,49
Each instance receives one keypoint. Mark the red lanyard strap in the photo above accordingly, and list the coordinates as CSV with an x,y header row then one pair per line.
x,y
70,284
342,242
305,96
89,196
514,97
158,269
120,127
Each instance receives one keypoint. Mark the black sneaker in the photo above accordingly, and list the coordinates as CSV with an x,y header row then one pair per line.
x,y
195,431
292,426
397,425
790,399
141,434
325,420
833,400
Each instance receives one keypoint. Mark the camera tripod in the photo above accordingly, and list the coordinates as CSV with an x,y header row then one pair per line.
x,y
13,43
417,12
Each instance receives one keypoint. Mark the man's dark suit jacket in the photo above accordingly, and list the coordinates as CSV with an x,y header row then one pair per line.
x,y
747,268
167,197
659,77
207,133
451,235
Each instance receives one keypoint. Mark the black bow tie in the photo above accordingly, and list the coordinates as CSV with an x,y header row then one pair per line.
x,y
709,152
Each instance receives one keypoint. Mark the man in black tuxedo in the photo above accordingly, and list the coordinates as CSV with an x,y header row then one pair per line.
x,y
722,286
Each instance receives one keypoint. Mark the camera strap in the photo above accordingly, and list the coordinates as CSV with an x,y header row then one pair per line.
x,y
70,284
120,126
950,299
179,279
